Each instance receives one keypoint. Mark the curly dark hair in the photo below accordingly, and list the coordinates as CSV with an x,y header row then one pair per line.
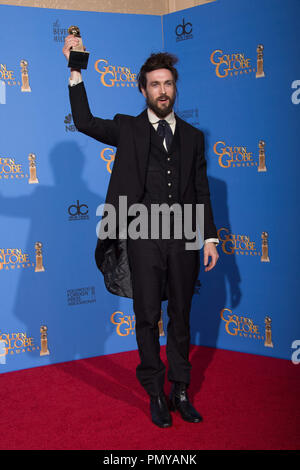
x,y
159,60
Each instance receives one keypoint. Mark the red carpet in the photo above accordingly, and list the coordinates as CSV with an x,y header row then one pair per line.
x,y
247,402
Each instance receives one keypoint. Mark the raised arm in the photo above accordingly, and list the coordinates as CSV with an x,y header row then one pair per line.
x,y
103,130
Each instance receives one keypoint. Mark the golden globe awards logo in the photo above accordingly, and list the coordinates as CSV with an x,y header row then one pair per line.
x,y
108,155
11,169
245,327
11,258
233,64
16,258
125,324
235,156
7,79
115,75
239,325
8,75
16,343
239,244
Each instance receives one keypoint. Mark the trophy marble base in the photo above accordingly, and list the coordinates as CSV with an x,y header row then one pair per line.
x,y
44,353
39,270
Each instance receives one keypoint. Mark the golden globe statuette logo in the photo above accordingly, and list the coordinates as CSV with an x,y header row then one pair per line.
x,y
44,341
265,247
38,258
161,325
262,156
268,333
260,62
110,160
25,78
32,169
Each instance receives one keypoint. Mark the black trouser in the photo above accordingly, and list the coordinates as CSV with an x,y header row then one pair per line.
x,y
152,263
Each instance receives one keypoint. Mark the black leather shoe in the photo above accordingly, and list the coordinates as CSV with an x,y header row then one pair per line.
x,y
179,400
159,411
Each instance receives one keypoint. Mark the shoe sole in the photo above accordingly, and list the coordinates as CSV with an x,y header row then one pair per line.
x,y
162,425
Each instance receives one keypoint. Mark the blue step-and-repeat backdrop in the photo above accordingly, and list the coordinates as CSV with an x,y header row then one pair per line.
x,y
240,83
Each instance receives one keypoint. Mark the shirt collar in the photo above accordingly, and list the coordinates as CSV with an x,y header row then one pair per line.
x,y
170,118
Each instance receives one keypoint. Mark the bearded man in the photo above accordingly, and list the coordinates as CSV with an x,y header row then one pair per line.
x,y
159,160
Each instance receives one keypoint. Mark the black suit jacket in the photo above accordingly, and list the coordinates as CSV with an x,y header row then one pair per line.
x,y
131,136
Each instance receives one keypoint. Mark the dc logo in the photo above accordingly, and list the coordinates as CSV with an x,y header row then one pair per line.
x,y
184,30
75,210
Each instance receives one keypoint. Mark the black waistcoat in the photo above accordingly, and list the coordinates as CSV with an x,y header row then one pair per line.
x,y
163,171
162,182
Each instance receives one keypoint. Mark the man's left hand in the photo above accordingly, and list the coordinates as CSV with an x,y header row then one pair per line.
x,y
210,250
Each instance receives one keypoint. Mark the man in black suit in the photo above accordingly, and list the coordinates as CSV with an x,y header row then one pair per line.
x,y
159,160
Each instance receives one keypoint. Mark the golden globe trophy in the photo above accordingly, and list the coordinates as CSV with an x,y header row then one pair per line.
x,y
161,326
265,247
268,333
260,62
38,258
32,169
78,56
44,341
262,156
25,78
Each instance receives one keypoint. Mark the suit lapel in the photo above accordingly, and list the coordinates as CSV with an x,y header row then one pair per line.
x,y
142,142
186,152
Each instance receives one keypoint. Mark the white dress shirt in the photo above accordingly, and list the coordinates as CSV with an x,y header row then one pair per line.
x,y
170,118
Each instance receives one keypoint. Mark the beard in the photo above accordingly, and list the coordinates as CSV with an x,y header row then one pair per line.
x,y
161,108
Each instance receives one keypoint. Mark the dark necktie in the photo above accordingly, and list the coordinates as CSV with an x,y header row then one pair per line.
x,y
164,130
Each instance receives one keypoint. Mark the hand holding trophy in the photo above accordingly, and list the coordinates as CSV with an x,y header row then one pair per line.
x,y
74,50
